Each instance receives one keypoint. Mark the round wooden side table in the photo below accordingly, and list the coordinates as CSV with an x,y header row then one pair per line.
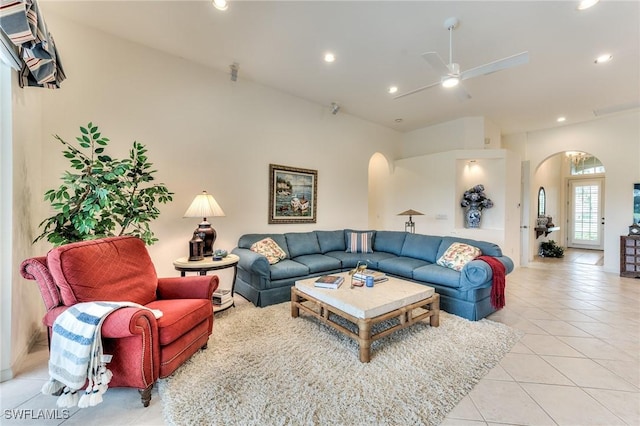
x,y
208,264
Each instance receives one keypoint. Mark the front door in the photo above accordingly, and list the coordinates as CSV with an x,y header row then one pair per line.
x,y
586,213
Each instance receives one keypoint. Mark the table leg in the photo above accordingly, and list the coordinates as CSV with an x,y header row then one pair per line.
x,y
233,283
364,339
182,273
295,299
434,319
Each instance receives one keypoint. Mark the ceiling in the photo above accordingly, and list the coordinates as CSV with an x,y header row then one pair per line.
x,y
377,44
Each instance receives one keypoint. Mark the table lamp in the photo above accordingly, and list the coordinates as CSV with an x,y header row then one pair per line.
x,y
410,225
204,205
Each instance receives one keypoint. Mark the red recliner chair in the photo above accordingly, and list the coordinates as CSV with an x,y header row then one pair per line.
x,y
119,269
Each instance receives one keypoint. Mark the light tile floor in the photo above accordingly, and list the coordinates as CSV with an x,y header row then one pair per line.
x,y
578,362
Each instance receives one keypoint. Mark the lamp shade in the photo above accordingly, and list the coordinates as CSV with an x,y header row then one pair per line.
x,y
204,205
410,212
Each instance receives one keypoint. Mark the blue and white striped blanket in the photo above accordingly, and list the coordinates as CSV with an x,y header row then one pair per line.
x,y
76,353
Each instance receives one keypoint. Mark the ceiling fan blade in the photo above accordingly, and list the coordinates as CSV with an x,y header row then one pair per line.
x,y
419,89
499,65
436,63
461,93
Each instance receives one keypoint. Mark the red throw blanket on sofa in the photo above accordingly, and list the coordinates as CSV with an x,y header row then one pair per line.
x,y
497,287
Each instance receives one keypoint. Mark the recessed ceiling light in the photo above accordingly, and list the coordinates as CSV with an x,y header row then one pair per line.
x,y
603,58
393,89
398,120
586,4
561,119
220,4
329,57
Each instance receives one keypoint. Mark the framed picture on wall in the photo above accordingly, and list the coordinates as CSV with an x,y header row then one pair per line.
x,y
636,203
293,194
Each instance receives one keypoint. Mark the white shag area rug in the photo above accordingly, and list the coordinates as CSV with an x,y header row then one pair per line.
x,y
263,367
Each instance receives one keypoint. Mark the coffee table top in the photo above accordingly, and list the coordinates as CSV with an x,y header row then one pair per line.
x,y
367,302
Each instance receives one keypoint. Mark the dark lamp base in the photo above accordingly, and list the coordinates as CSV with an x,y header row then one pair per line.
x,y
208,235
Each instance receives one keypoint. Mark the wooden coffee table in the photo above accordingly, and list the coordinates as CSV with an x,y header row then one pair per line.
x,y
366,306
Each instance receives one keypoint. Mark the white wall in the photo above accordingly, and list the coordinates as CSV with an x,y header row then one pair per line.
x,y
463,133
433,184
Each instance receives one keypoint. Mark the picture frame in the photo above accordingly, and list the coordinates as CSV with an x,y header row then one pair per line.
x,y
293,194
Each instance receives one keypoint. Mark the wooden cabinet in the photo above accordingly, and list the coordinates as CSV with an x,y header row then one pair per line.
x,y
630,256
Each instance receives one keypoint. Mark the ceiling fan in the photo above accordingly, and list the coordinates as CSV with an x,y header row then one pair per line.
x,y
450,73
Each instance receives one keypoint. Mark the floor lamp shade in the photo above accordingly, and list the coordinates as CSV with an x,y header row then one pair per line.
x,y
204,205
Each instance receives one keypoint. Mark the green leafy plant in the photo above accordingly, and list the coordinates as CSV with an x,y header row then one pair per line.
x,y
551,249
102,196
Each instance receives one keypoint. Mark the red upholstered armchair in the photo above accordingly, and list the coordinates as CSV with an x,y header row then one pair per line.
x,y
119,269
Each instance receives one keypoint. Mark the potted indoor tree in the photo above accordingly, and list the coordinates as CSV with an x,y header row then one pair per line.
x,y
101,196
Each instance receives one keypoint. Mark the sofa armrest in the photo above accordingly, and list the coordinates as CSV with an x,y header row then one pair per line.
x,y
252,262
478,273
192,287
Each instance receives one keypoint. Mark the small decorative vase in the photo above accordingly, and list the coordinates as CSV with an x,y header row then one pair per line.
x,y
473,216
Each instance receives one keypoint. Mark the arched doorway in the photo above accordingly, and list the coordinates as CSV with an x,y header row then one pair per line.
x,y
574,183
379,172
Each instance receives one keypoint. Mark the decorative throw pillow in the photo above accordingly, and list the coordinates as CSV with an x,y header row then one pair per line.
x,y
269,249
458,255
360,242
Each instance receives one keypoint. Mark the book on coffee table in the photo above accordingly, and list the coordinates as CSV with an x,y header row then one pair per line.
x,y
329,281
377,275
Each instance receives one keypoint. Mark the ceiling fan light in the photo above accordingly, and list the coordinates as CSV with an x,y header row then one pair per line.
x,y
450,81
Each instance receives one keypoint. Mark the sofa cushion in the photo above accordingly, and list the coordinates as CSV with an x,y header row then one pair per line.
x,y
423,247
111,270
458,255
319,262
389,241
436,274
487,248
301,243
247,240
269,249
331,241
288,269
401,266
359,242
350,260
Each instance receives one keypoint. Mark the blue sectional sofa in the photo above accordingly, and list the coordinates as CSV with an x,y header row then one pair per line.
x,y
401,254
